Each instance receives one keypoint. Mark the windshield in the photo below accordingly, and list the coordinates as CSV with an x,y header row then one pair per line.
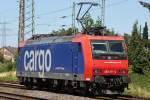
x,y
99,48
116,47
107,47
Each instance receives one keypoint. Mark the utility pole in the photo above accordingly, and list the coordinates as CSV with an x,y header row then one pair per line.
x,y
4,29
21,30
26,20
33,17
74,18
103,12
30,17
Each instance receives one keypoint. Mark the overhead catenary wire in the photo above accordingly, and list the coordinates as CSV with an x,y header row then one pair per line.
x,y
53,12
43,14
117,3
67,8
64,9
56,19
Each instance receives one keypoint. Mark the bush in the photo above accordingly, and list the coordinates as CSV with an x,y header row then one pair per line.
x,y
7,66
139,85
1,57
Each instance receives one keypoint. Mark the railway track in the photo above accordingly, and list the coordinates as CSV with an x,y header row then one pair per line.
x,y
121,97
11,96
4,94
12,85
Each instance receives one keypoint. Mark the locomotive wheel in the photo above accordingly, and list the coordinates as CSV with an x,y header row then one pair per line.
x,y
20,79
29,83
39,85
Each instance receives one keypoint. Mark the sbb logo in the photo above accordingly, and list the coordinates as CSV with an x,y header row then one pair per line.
x,y
37,60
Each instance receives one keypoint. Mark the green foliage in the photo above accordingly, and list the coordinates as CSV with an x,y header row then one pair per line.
x,y
136,51
1,57
137,88
7,66
127,38
10,77
62,32
139,79
111,32
135,33
88,21
98,22
145,32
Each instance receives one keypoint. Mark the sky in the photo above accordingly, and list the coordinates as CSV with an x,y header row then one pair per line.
x,y
120,16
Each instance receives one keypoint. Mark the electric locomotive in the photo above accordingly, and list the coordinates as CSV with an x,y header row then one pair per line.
x,y
98,64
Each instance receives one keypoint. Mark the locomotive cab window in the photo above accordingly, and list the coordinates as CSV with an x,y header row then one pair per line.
x,y
116,47
100,47
104,49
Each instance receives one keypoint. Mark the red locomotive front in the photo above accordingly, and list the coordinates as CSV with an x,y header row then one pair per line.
x,y
106,62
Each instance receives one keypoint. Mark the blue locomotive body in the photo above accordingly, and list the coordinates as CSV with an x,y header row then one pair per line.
x,y
51,61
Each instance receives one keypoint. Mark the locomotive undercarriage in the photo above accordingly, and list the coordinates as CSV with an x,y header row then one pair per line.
x,y
110,84
101,85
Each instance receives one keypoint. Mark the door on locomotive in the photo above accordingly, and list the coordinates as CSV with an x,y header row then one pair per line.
x,y
77,62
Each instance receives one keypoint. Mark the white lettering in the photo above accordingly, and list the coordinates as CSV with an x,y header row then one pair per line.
x,y
112,62
38,60
31,63
41,60
48,60
25,60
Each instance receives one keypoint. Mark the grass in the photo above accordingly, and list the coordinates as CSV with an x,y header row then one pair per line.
x,y
7,71
7,66
8,77
140,85
137,91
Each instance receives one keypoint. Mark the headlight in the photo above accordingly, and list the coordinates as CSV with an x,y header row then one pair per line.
x,y
97,71
123,71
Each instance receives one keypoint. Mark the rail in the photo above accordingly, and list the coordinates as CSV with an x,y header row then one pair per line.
x,y
5,93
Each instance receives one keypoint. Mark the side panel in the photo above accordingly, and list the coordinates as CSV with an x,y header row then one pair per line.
x,y
88,73
78,61
56,61
88,62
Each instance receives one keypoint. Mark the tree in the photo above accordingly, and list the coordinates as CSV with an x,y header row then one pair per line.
x,y
135,33
98,22
66,32
127,38
88,22
70,31
111,32
145,32
137,54
1,57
